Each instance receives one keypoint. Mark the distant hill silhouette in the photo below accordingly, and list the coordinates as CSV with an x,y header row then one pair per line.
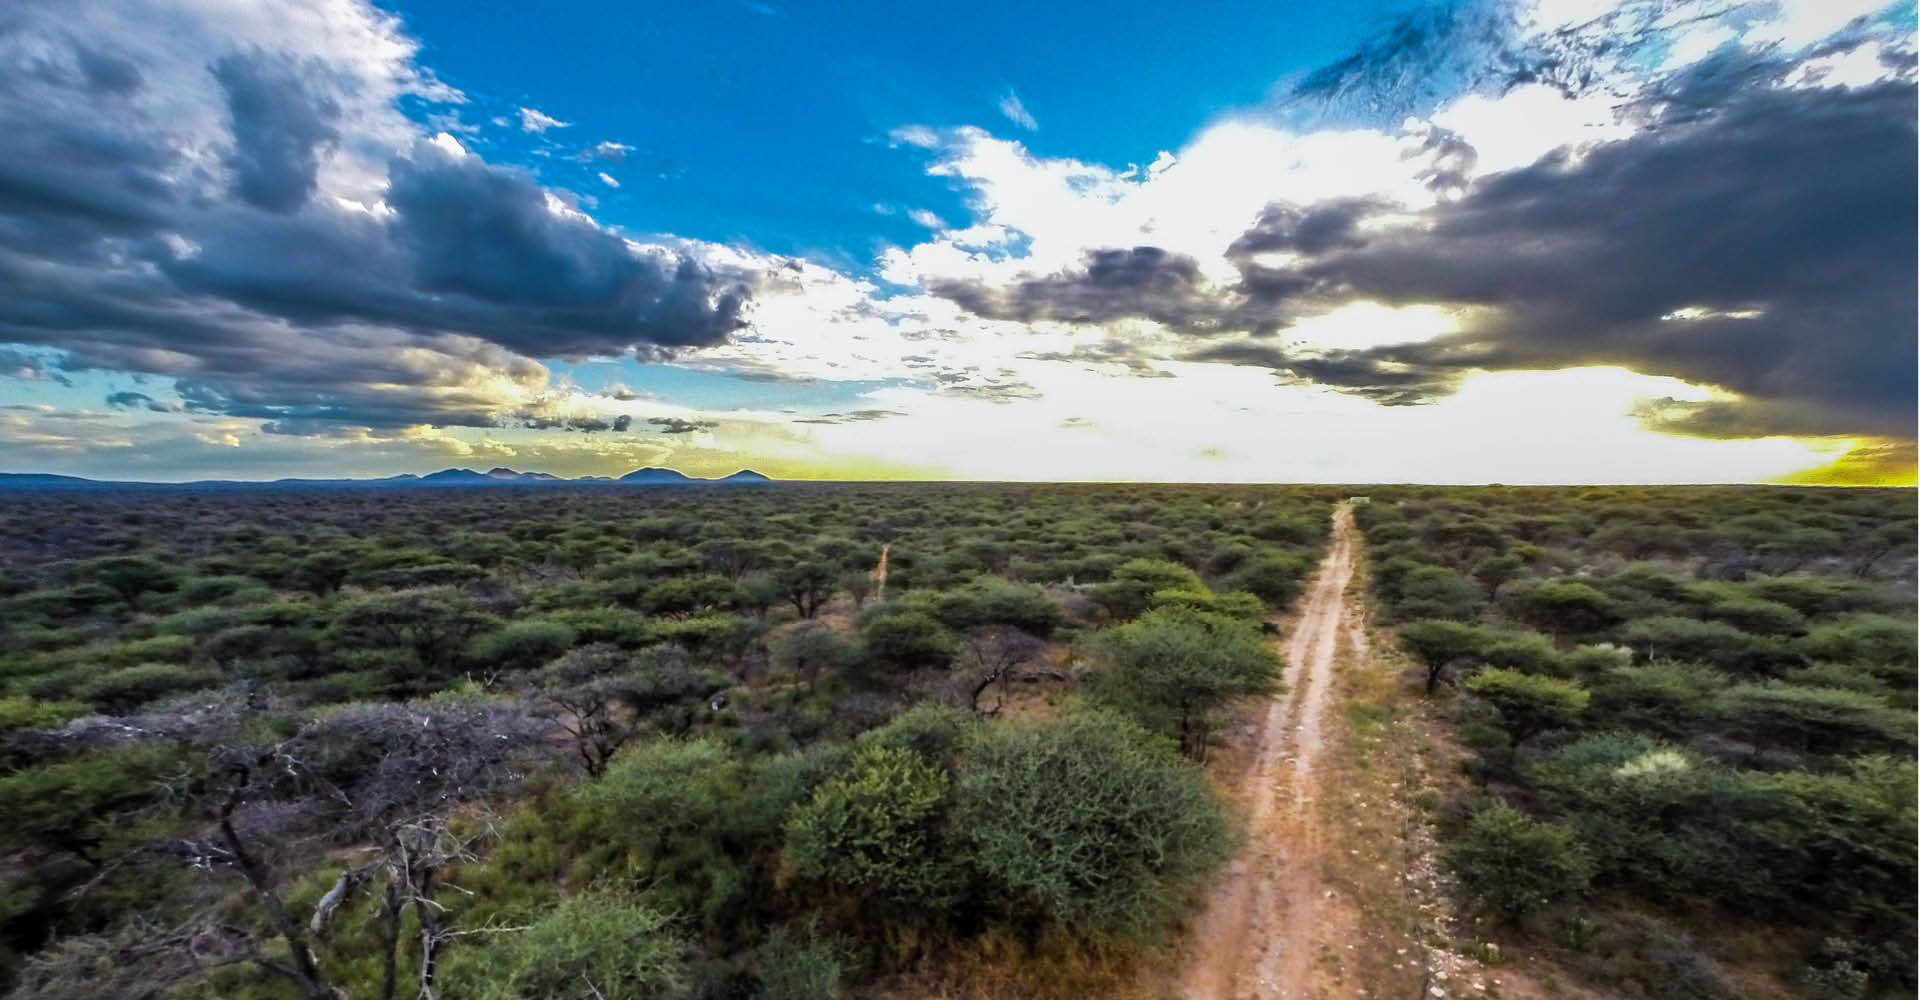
x,y
497,477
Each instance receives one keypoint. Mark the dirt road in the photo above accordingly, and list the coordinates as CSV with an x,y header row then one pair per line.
x,y
1254,939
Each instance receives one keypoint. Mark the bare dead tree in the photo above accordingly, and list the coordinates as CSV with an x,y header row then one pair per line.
x,y
389,777
994,652
602,698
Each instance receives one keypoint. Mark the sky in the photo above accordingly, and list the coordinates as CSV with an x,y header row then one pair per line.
x,y
1542,242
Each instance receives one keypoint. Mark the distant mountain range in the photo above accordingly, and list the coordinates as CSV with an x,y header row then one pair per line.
x,y
444,478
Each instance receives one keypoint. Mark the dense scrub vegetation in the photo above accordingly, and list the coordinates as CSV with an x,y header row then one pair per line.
x,y
629,742
1691,713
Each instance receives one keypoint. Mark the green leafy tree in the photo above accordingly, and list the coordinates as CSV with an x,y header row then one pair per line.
x,y
1171,670
521,645
1515,863
907,638
808,585
1822,720
1438,592
1087,821
1529,703
594,946
1563,607
878,828
1439,645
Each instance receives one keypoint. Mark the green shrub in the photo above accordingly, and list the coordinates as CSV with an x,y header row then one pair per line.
x,y
907,638
122,690
1563,607
1171,670
1274,577
1529,703
1515,863
1439,645
878,828
1882,643
935,732
1089,822
1129,593
590,947
521,645
1758,616
1823,720
1438,592
1668,698
1712,642
1819,596
788,969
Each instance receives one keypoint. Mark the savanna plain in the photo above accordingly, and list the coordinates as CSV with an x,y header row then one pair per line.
x,y
811,740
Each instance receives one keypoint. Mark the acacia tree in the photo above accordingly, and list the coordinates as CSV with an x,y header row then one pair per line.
x,y
1170,669
433,624
596,697
808,585
1438,645
995,652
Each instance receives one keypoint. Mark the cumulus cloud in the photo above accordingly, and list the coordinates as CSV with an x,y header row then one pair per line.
x,y
1735,221
331,262
1766,248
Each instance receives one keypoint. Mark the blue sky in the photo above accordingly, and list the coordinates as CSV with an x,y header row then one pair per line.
x,y
1493,240
769,123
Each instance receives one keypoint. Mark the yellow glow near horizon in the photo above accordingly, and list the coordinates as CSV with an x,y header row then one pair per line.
x,y
1220,423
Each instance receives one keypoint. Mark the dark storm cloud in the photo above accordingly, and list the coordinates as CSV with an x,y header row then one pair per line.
x,y
20,364
850,417
1308,229
1767,249
585,425
130,400
282,121
123,246
678,425
1764,247
1112,351
471,248
1109,284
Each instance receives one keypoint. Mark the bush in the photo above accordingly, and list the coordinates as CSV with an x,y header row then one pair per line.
x,y
1274,577
1880,642
1667,698
1758,616
935,732
1088,822
877,828
907,638
790,970
1170,670
1563,607
1717,643
120,691
1515,863
521,645
1529,703
1438,645
1818,596
1821,720
1438,592
590,947
1130,591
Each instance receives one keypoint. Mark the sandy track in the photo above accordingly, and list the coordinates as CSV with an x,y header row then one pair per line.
x,y
1254,939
